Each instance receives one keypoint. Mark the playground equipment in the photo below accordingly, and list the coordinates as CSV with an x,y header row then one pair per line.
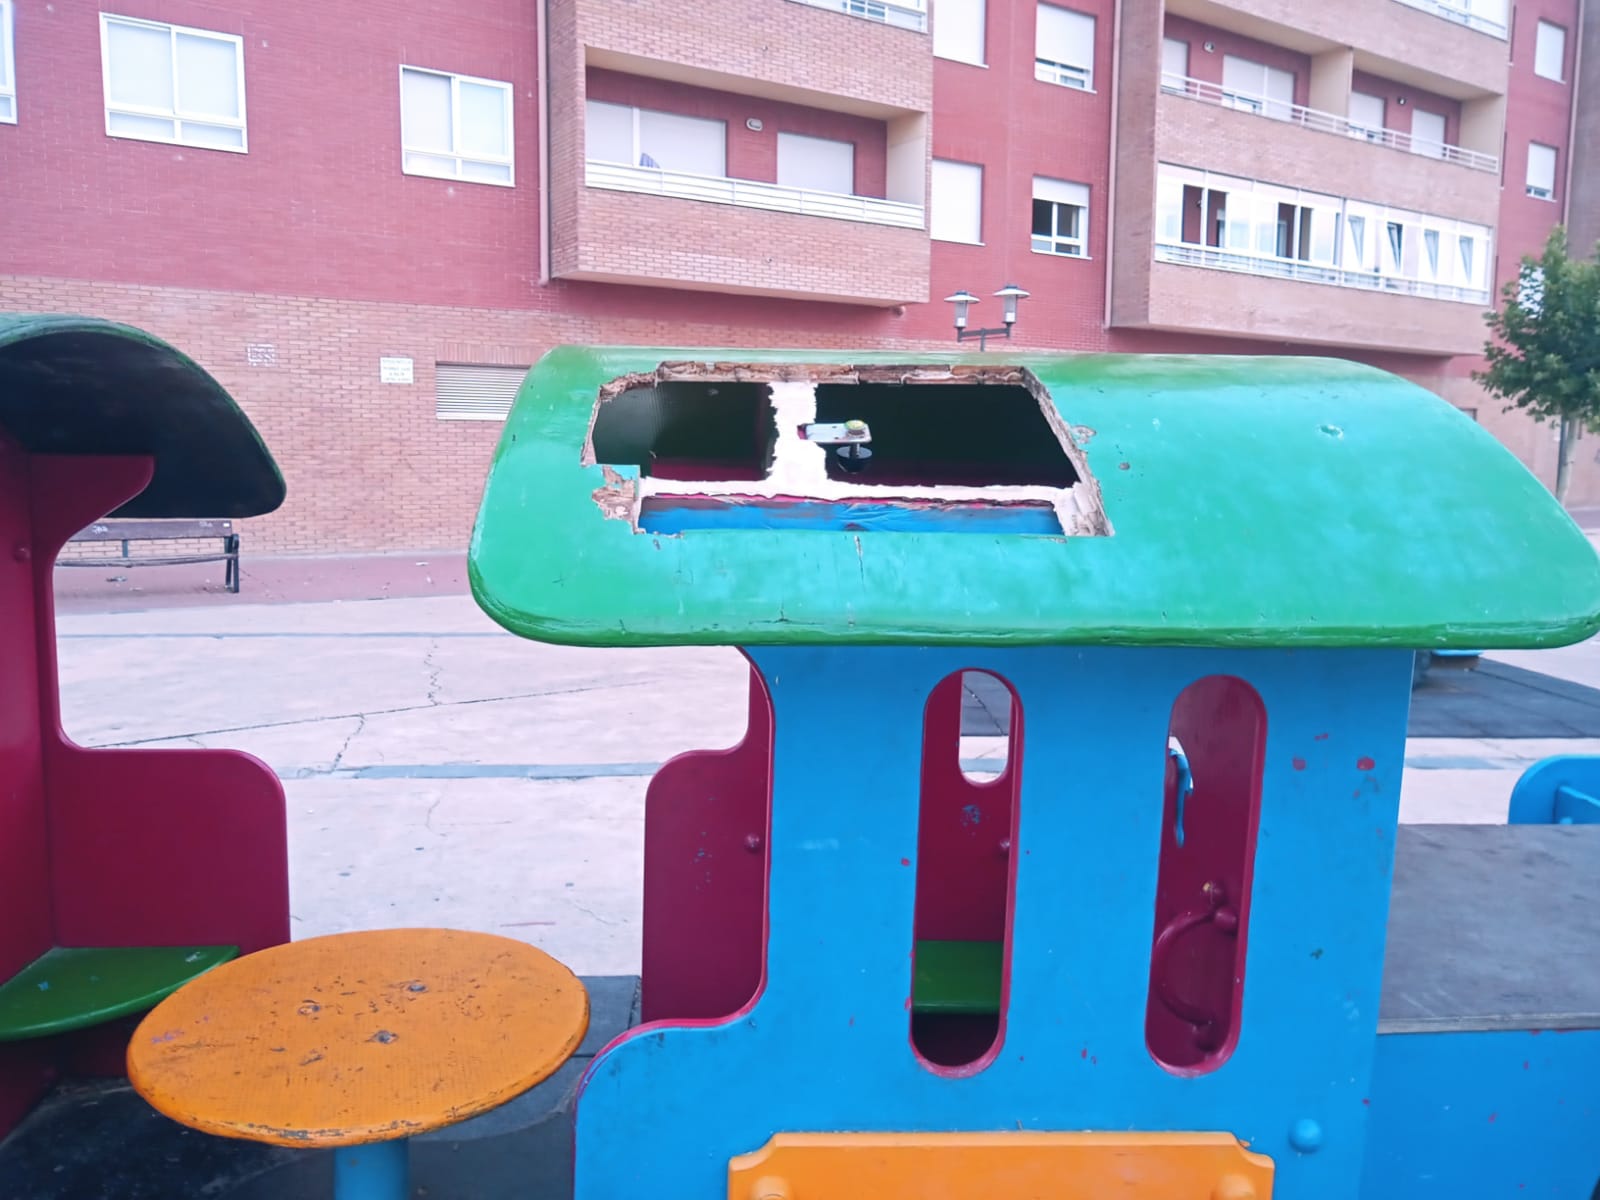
x,y
359,1042
1146,957
123,873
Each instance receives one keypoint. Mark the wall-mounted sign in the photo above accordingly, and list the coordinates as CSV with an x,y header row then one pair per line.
x,y
394,370
261,354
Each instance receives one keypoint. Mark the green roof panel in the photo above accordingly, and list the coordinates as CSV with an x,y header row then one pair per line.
x,y
1247,501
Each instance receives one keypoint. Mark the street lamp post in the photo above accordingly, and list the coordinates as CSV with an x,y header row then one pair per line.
x,y
964,299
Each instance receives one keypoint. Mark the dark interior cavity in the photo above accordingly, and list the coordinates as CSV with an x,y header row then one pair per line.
x,y
688,430
959,434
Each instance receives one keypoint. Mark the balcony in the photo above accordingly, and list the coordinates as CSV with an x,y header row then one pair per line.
x,y
1257,138
656,228
1271,266
790,51
1403,40
1491,21
1325,122
906,14
749,193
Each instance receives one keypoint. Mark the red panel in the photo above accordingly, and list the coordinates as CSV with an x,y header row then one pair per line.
x,y
963,831
705,873
1203,891
166,847
24,893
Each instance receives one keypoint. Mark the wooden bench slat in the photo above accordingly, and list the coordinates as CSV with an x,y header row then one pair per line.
x,y
145,562
143,531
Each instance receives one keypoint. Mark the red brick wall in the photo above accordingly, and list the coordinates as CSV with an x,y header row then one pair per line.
x,y
1208,66
319,204
753,155
1019,127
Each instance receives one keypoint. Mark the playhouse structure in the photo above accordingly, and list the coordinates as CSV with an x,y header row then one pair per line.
x,y
1144,954
123,872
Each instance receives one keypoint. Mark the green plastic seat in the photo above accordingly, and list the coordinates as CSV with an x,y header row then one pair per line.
x,y
957,978
67,989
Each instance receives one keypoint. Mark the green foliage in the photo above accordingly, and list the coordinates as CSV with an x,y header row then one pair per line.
x,y
1544,357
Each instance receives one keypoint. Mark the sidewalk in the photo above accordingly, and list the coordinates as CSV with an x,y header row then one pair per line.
x,y
441,771
263,580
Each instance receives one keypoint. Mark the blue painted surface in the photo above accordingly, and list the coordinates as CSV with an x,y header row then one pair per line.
x,y
1463,1116
1561,789
379,1171
826,1045
664,515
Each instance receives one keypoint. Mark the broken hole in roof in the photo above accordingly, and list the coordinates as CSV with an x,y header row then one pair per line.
x,y
961,434
832,447
688,430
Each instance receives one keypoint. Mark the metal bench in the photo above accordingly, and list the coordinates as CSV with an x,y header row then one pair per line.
x,y
127,532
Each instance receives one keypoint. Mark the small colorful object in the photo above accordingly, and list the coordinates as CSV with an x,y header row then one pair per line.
x,y
357,1041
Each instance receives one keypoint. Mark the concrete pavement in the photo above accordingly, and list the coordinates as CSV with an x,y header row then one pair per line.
x,y
441,771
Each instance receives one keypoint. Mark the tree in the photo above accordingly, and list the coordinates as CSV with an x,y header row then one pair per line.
x,y
1544,356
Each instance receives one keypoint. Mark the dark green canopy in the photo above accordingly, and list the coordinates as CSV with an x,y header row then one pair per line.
x,y
80,385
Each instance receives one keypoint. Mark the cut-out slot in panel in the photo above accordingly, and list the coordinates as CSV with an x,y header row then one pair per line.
x,y
1215,747
964,883
688,430
677,514
954,434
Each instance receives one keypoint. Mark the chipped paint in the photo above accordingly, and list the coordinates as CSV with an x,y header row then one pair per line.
x,y
617,497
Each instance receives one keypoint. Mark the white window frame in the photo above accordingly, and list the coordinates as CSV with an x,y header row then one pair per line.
x,y
1071,75
456,80
8,57
1054,193
176,115
1540,54
934,202
635,112
961,52
1540,193
1176,80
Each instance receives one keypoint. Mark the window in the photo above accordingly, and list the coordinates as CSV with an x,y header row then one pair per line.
x,y
1366,115
167,83
1274,229
958,30
455,126
1174,62
816,164
1427,133
642,137
1541,171
1257,87
1550,52
957,202
1060,217
472,392
1064,47
8,67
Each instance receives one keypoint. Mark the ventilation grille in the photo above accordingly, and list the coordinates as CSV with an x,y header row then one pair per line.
x,y
464,392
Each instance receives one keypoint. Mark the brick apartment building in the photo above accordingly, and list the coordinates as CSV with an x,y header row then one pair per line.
x,y
367,217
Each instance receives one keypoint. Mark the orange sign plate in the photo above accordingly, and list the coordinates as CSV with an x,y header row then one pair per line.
x,y
1018,1166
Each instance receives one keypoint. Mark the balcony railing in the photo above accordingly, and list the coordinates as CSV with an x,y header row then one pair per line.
x,y
1187,254
906,14
748,193
1461,15
1313,118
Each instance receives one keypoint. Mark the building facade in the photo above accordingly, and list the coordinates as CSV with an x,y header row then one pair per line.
x,y
368,217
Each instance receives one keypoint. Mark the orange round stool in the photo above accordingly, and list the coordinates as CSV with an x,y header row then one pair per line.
x,y
357,1041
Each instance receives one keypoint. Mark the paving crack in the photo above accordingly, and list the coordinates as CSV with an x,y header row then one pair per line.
x,y
376,712
361,723
434,670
